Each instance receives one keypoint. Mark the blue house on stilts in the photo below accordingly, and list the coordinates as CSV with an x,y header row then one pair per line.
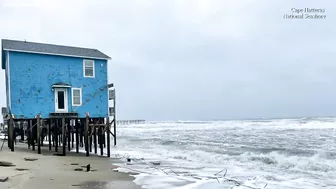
x,y
60,93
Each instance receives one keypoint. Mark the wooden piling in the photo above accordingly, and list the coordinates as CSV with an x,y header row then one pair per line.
x,y
101,140
38,133
33,134
115,120
29,133
77,137
86,135
96,133
60,134
56,134
14,136
82,125
41,126
11,133
108,136
72,133
49,132
90,139
8,134
104,132
95,139
115,132
53,123
63,136
22,131
68,134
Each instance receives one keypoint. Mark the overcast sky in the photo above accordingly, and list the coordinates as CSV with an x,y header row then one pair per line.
x,y
195,59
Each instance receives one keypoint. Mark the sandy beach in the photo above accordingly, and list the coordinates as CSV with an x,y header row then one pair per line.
x,y
58,172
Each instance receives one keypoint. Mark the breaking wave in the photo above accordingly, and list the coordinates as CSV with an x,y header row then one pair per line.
x,y
282,153
317,162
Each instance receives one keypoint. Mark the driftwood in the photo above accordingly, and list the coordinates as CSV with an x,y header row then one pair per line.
x,y
3,179
21,169
6,164
30,159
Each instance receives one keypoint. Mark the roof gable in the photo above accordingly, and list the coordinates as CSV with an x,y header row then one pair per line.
x,y
50,49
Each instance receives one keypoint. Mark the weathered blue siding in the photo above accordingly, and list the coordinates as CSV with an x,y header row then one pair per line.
x,y
32,77
5,59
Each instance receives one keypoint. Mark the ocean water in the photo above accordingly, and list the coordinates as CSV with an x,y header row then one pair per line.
x,y
272,154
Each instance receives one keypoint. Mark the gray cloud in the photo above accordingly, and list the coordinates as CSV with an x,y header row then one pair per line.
x,y
195,59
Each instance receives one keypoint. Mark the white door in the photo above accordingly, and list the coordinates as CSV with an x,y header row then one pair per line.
x,y
61,100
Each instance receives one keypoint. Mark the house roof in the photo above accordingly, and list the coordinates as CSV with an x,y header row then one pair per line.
x,y
50,49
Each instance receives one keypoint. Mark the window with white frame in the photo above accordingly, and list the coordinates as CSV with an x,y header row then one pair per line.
x,y
76,96
88,68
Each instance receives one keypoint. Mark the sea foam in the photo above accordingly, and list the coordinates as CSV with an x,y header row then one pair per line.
x,y
278,153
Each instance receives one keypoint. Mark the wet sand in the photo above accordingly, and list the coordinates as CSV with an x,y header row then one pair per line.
x,y
56,172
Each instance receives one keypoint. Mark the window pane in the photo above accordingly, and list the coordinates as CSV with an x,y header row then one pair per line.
x,y
76,96
88,72
76,92
88,63
76,100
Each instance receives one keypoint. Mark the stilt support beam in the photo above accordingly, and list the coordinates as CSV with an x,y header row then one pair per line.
x,y
38,133
86,129
63,136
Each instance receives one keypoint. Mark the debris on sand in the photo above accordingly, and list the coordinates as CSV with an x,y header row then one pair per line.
x,y
3,179
6,164
21,169
88,167
30,159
